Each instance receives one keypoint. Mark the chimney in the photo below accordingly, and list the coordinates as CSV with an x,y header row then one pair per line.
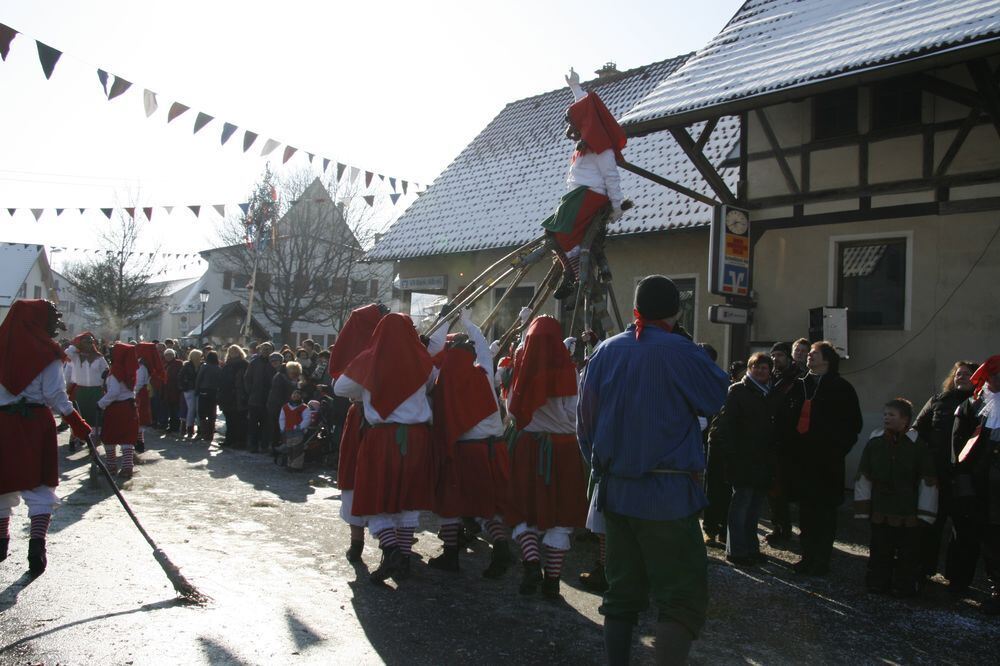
x,y
608,71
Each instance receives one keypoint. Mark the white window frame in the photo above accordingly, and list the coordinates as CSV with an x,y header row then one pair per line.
x,y
834,269
697,297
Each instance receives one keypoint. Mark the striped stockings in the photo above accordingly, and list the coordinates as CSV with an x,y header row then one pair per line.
x,y
40,525
5,527
496,530
528,541
111,457
574,264
602,555
554,561
386,538
449,533
127,456
404,539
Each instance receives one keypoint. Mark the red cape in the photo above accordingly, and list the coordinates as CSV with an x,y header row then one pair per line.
x,y
124,363
598,128
543,369
25,346
393,366
462,397
984,372
150,355
353,338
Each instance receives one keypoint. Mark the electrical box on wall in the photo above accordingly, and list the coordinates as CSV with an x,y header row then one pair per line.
x,y
830,324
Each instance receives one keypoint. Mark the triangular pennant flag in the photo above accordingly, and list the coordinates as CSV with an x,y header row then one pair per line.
x,y
269,147
392,182
370,199
149,102
289,151
220,209
195,209
354,174
176,109
102,76
404,184
119,87
326,164
11,211
169,209
82,210
131,212
37,212
340,171
107,212
48,57
227,131
395,197
245,207
148,212
311,157
381,177
368,178
202,120
7,35
248,139
59,211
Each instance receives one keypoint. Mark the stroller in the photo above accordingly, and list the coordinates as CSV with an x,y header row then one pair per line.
x,y
298,448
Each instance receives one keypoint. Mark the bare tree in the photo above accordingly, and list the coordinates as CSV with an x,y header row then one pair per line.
x,y
304,242
115,290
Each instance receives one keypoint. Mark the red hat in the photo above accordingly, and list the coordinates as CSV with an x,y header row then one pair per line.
x,y
393,365
124,363
462,397
150,356
984,372
598,128
353,338
25,345
543,369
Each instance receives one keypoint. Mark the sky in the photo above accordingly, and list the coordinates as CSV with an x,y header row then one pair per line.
x,y
399,88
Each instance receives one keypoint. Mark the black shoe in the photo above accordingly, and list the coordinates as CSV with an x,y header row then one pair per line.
x,y
73,445
446,561
403,570
354,552
550,588
566,287
595,580
778,537
803,566
4,545
140,446
532,577
741,561
36,557
62,427
500,560
391,560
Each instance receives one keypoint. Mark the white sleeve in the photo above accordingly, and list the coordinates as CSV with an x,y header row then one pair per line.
x,y
281,419
438,340
72,352
348,388
68,372
109,395
54,388
612,180
141,379
927,502
306,419
484,357
578,92
568,404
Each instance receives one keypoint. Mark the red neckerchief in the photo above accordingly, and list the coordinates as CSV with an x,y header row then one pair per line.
x,y
641,323
25,346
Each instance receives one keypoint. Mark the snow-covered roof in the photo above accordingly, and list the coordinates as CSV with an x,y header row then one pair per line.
x,y
775,45
16,260
510,178
234,307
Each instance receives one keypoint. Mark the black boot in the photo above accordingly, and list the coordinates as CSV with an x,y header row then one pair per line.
x,y
36,557
354,552
4,545
550,588
500,560
140,446
402,571
617,641
446,561
532,577
595,580
391,560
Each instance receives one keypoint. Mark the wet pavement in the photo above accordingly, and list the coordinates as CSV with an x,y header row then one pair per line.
x,y
266,544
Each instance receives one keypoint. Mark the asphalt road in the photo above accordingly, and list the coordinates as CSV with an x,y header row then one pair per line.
x,y
266,545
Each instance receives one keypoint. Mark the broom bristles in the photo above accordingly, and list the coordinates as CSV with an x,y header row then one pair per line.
x,y
185,589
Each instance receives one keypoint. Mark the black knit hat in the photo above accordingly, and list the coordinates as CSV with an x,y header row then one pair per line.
x,y
656,297
783,347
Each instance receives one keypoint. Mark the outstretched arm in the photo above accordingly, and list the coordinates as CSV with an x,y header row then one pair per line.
x,y
573,81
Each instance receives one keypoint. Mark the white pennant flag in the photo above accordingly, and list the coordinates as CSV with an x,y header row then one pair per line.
x,y
149,101
168,209
269,147
354,174
37,212
220,209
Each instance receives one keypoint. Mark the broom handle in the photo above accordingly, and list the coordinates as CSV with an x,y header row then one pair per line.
x,y
118,493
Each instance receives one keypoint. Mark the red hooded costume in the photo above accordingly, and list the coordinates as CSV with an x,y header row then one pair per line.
x,y
121,419
25,346
598,128
150,357
543,369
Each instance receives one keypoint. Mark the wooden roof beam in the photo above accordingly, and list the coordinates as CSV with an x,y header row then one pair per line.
x,y
705,168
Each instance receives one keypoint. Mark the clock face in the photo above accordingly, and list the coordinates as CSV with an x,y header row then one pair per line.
x,y
736,222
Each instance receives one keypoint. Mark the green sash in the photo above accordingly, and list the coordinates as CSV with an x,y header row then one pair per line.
x,y
569,206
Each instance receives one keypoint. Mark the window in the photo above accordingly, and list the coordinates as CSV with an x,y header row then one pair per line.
x,y
835,114
339,286
359,287
232,280
871,282
373,289
38,292
896,104
519,297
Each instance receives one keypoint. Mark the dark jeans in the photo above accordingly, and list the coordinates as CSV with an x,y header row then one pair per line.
x,y
971,538
744,513
236,427
173,415
719,494
256,424
818,524
207,411
894,559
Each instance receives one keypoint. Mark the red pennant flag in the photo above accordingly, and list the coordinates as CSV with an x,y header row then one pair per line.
x,y
176,109
48,57
370,199
289,151
195,209
202,120
7,35
248,139
107,212
131,212
368,178
148,212
118,87
227,131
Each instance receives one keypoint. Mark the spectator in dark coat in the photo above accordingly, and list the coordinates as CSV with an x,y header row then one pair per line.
x,y
744,434
233,397
258,384
821,425
282,385
207,386
784,373
717,490
934,425
172,394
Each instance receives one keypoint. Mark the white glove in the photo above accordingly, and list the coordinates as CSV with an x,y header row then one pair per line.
x,y
524,315
495,347
570,345
616,214
464,317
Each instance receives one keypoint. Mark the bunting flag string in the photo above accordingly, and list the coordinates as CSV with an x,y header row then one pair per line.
x,y
114,86
147,211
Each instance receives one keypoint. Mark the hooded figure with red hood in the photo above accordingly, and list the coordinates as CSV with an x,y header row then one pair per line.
x,y
121,418
150,374
352,340
468,428
32,385
397,467
547,496
593,182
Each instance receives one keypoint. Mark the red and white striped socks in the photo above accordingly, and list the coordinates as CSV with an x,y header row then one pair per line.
x,y
495,529
40,525
602,555
111,457
404,539
386,538
529,546
127,456
448,533
5,527
554,561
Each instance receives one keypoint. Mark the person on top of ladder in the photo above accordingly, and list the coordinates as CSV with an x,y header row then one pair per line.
x,y
592,181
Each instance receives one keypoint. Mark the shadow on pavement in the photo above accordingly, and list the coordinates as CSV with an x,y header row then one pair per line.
x,y
217,653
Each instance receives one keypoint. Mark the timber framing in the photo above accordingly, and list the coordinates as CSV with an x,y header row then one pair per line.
x,y
701,163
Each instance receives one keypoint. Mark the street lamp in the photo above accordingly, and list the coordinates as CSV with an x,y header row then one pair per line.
x,y
203,297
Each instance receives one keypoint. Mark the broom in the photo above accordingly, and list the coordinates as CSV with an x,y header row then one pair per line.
x,y
186,590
